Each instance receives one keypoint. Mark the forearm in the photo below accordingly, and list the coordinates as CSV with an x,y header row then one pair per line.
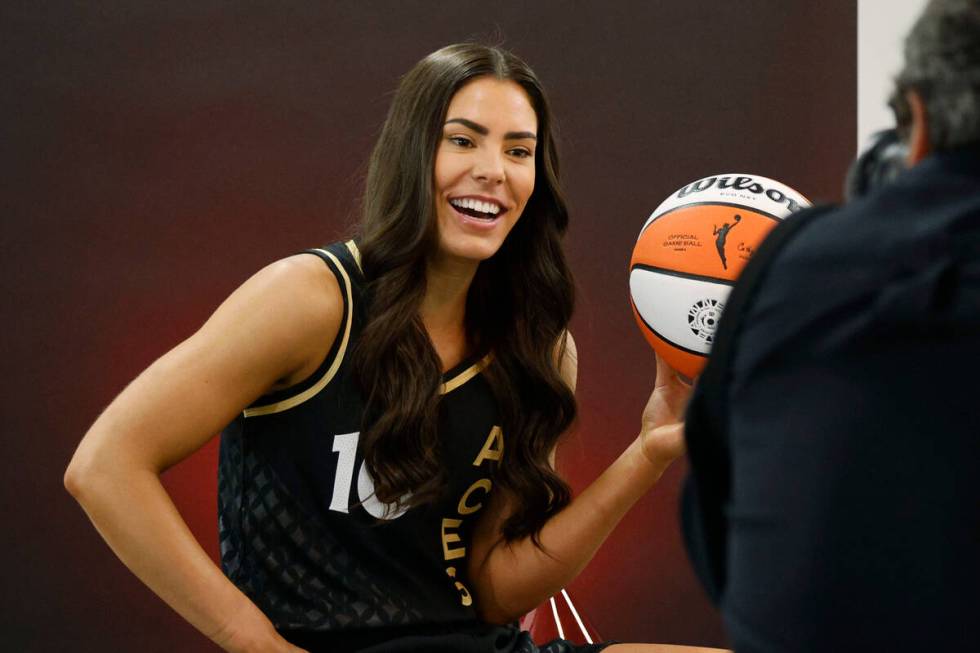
x,y
514,578
133,513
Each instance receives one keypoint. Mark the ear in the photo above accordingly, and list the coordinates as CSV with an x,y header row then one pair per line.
x,y
919,146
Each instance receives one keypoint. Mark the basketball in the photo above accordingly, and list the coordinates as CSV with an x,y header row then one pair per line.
x,y
689,254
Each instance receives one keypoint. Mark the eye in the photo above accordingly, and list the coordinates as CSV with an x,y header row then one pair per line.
x,y
520,152
460,141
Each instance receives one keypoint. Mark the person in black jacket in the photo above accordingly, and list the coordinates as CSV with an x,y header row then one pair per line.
x,y
834,435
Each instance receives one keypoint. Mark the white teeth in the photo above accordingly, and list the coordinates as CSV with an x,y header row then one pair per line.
x,y
476,205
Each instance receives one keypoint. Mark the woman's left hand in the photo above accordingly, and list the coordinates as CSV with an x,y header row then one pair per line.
x,y
662,432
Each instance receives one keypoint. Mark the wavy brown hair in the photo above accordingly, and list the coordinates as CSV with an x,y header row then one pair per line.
x,y
518,307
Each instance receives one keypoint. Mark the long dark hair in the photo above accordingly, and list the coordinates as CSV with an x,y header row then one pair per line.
x,y
518,306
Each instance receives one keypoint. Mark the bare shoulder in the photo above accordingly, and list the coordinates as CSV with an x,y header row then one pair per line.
x,y
295,306
274,330
571,350
303,282
567,354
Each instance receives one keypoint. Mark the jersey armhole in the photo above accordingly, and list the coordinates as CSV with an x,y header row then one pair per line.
x,y
281,400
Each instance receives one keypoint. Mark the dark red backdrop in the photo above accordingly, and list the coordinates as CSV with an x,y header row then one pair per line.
x,y
156,154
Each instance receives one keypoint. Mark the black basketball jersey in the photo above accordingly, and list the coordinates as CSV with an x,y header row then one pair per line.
x,y
301,531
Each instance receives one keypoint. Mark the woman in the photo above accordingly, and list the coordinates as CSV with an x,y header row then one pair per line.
x,y
368,393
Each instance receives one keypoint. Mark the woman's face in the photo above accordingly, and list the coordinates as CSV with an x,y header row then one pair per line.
x,y
484,167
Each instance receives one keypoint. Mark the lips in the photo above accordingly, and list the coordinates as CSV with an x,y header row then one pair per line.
x,y
478,208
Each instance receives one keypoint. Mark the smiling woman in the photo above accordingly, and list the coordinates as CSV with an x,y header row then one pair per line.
x,y
390,405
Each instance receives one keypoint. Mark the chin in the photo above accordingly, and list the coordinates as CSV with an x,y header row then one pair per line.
x,y
477,251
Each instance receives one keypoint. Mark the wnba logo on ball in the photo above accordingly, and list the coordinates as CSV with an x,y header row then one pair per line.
x,y
703,318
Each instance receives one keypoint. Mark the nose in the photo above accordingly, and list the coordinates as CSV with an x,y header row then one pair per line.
x,y
488,167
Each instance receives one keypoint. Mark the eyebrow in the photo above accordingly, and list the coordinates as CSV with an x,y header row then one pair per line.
x,y
483,131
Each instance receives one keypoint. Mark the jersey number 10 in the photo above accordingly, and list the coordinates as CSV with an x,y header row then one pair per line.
x,y
345,445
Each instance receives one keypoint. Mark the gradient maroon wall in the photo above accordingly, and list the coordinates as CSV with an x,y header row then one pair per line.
x,y
156,154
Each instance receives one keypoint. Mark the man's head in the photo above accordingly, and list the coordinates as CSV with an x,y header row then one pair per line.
x,y
937,94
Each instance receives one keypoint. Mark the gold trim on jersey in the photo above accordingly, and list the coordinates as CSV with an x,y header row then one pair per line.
x,y
465,375
310,392
356,253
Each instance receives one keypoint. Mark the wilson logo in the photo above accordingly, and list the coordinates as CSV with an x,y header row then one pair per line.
x,y
747,184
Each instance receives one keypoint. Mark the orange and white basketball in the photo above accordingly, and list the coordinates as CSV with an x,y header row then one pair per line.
x,y
689,253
